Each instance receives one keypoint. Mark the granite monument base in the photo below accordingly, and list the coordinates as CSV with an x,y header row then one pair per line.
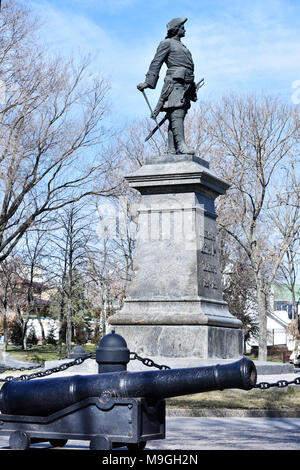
x,y
174,305
201,341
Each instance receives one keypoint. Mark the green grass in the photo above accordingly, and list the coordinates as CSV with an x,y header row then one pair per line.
x,y
39,354
272,358
272,399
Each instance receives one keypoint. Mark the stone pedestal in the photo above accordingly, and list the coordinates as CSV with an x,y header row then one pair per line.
x,y
175,305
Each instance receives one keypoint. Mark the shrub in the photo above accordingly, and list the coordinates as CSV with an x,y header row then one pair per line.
x,y
15,334
51,334
80,333
97,335
31,336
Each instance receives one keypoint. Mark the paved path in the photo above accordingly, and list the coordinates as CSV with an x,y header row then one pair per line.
x,y
215,434
232,434
5,360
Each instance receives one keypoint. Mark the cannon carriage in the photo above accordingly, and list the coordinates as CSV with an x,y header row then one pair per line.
x,y
112,408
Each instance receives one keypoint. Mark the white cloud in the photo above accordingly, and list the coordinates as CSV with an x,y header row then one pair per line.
x,y
250,44
124,66
253,50
230,52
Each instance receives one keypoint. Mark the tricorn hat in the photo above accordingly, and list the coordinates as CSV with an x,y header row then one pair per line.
x,y
175,23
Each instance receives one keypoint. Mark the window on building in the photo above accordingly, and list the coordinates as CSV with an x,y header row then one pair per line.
x,y
284,306
281,306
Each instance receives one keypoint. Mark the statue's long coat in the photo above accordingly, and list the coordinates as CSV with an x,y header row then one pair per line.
x,y
179,86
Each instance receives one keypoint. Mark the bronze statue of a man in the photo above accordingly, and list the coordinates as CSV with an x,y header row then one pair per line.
x,y
179,87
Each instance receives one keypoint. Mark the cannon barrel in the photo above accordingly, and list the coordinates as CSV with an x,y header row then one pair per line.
x,y
45,396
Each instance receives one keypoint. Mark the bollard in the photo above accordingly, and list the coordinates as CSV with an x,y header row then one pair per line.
x,y
112,354
77,351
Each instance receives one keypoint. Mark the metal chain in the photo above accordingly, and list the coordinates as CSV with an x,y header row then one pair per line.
x,y
4,368
62,367
281,384
147,362
133,356
66,365
262,385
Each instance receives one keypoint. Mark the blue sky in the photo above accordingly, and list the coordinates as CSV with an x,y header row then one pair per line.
x,y
237,45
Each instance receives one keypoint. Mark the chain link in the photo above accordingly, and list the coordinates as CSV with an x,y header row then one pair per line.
x,y
147,361
280,384
4,368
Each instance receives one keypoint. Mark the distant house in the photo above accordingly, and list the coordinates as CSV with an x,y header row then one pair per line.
x,y
23,278
41,292
282,299
280,316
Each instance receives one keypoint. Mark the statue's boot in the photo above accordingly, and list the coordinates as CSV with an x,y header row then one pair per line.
x,y
176,120
171,143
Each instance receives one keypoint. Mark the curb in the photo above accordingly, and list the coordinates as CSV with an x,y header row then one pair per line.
x,y
226,413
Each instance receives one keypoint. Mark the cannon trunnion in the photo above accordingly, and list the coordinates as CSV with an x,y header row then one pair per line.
x,y
111,409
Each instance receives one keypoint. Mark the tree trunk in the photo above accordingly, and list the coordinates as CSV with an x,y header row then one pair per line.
x,y
69,326
69,309
41,325
104,312
262,315
61,319
5,333
24,336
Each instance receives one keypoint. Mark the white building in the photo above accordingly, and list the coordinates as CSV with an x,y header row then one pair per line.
x,y
280,316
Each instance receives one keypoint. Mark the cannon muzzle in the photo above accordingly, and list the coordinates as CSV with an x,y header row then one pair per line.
x,y
45,396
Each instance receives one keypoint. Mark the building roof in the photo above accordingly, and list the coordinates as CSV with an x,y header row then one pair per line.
x,y
283,293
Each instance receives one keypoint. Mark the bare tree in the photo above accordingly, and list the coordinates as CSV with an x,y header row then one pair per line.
x,y
255,139
69,246
99,280
287,273
238,284
58,258
36,276
28,280
198,129
110,257
50,125
10,270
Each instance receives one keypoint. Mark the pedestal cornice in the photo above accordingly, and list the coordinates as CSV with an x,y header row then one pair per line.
x,y
177,175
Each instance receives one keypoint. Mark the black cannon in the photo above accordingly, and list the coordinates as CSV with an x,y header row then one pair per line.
x,y
112,408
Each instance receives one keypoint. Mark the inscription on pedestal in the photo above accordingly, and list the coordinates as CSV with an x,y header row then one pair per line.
x,y
209,249
209,268
209,284
209,235
210,272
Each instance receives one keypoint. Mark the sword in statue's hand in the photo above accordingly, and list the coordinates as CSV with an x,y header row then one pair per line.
x,y
158,124
142,87
200,84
